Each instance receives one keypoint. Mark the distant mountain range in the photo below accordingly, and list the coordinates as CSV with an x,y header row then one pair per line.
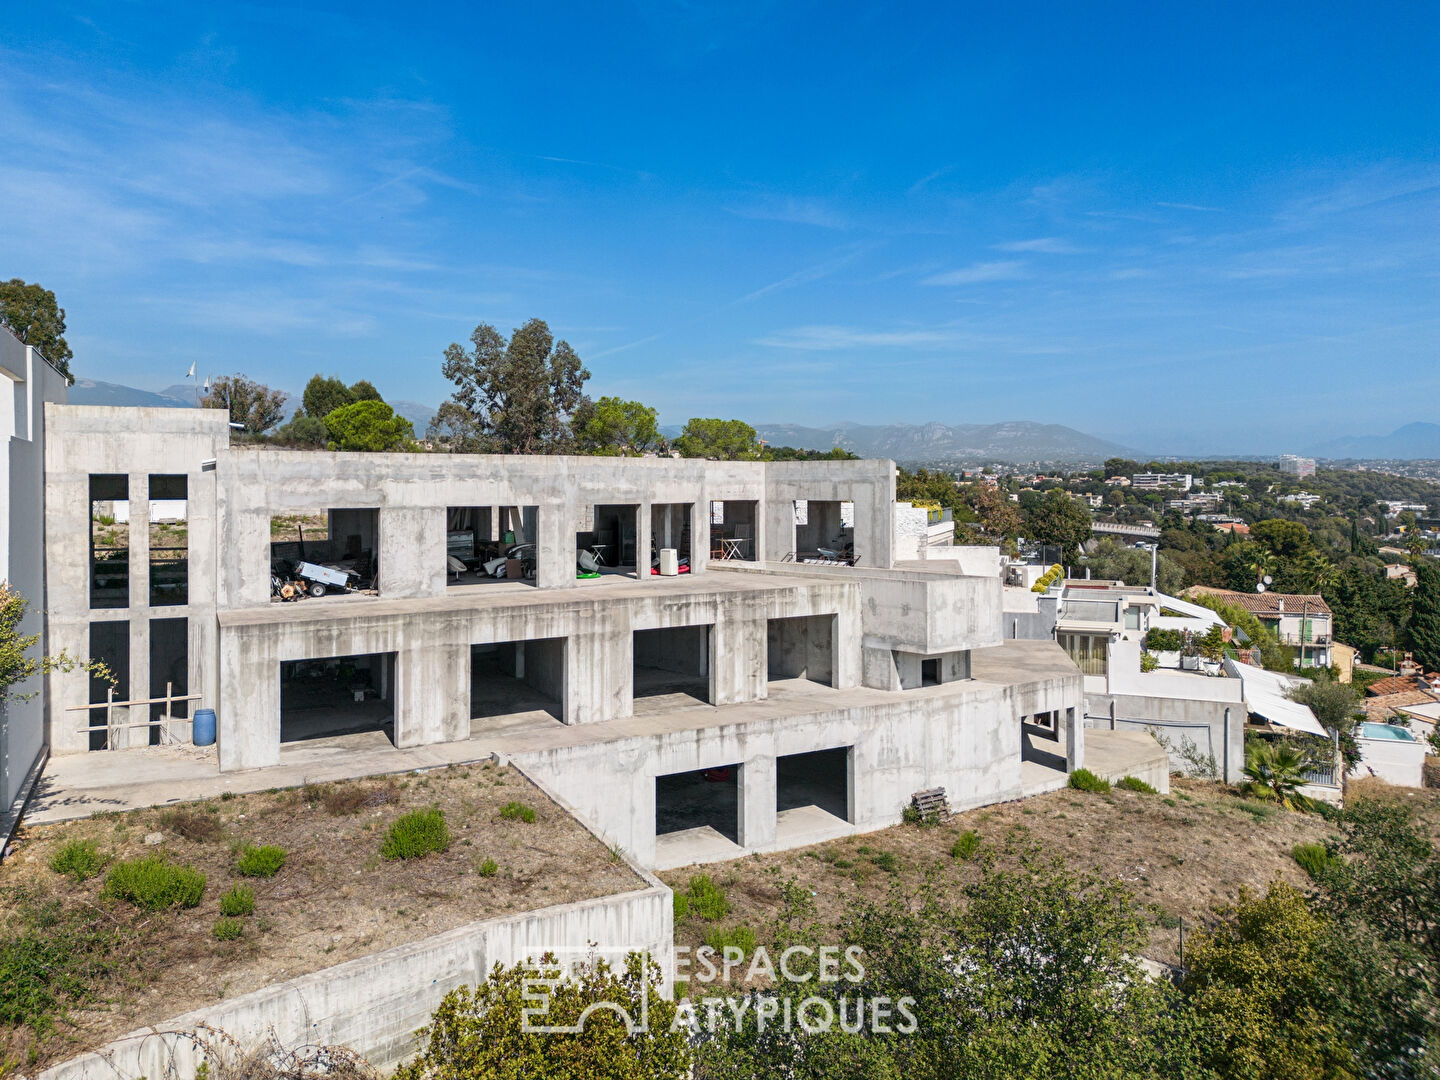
x,y
1418,440
1011,441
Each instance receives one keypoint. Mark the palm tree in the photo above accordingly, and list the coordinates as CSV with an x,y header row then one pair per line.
x,y
1319,572
1272,772
1262,563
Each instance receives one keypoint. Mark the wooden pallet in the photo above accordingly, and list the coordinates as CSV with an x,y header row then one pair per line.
x,y
931,804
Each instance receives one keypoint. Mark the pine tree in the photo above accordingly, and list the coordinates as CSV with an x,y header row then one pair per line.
x,y
1425,615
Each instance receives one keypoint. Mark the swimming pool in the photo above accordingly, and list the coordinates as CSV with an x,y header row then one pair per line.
x,y
1385,731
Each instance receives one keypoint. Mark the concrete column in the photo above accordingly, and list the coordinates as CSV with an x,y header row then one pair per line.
x,y
139,682
737,655
699,536
432,695
598,677
755,795
248,712
554,549
1074,740
643,540
411,552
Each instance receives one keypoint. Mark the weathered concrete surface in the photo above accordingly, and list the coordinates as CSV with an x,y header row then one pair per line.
x,y
27,382
375,1004
1112,755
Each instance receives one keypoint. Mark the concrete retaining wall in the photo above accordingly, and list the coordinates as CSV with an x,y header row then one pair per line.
x,y
375,1004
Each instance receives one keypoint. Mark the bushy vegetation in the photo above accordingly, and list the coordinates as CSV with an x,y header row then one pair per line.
x,y
155,884
416,834
78,859
50,962
264,860
238,900
702,898
1314,859
1134,783
517,811
227,929
736,937
488,868
965,846
192,825
1085,780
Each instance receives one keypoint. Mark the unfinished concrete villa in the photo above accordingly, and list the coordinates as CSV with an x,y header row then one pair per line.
x,y
703,658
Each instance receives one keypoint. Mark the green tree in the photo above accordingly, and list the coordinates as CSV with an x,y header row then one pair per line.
x,y
37,319
254,406
364,390
484,1033
1260,979
323,395
304,431
1286,540
1113,561
723,440
19,657
1424,631
1335,704
512,396
1059,518
1272,771
370,426
615,427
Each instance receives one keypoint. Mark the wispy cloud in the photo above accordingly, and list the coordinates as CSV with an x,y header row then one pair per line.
x,y
830,338
928,179
1043,245
977,273
792,210
1192,206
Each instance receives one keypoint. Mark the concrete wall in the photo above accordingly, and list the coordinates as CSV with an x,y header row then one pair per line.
x,y
802,648
27,382
375,1004
1214,727
86,440
870,485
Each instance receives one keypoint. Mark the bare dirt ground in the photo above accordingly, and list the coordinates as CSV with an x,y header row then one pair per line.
x,y
335,898
1181,855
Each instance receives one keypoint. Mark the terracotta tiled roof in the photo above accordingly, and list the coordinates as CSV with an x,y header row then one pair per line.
x,y
1377,708
1395,684
1268,603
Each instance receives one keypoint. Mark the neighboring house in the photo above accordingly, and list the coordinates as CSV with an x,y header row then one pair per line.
x,y
1297,466
1301,621
919,528
1101,625
1161,481
27,382
1402,572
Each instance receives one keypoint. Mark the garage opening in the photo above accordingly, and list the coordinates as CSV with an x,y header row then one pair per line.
x,y
609,543
486,544
670,530
339,695
672,666
511,677
732,529
326,553
801,648
820,778
704,799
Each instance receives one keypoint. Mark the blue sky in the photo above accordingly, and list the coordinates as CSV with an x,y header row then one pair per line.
x,y
1189,231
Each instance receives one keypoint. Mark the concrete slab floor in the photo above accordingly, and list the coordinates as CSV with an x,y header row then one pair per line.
x,y
694,847
1109,754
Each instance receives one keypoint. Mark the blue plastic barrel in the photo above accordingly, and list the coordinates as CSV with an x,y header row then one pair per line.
x,y
202,731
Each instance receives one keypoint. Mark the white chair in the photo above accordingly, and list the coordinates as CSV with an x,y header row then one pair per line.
x,y
456,566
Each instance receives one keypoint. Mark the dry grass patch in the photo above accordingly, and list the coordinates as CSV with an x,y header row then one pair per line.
x,y
333,899
1181,855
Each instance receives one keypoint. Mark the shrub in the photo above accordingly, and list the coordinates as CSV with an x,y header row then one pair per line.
x,y
227,929
416,834
343,799
886,861
191,825
737,937
707,900
517,811
1134,783
238,901
263,861
1085,780
1314,859
1160,640
489,868
681,903
1045,580
155,884
79,859
965,846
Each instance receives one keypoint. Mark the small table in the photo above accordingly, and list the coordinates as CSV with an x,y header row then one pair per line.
x,y
598,550
731,548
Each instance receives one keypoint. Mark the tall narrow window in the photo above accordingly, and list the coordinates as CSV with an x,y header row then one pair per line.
x,y
169,674
109,541
110,645
169,542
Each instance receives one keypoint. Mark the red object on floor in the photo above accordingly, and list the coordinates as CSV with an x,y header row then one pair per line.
x,y
716,776
684,569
